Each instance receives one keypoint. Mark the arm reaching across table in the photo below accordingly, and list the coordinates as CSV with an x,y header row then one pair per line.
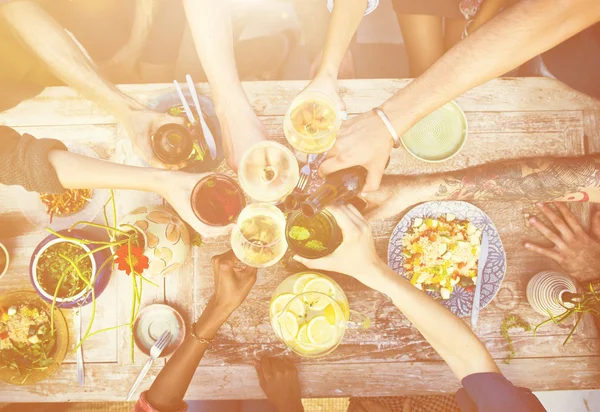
x,y
232,285
63,57
210,23
561,179
45,165
345,19
506,41
451,338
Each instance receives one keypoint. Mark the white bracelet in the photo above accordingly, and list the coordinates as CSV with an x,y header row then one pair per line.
x,y
390,127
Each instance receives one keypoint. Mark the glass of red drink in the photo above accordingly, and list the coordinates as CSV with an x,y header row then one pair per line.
x,y
217,200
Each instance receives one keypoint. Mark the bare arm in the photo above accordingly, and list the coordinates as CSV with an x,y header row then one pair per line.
x,y
49,41
509,39
210,23
232,285
503,43
145,12
464,353
80,172
345,19
568,179
446,333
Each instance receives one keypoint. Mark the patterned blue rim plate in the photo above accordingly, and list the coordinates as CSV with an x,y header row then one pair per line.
x,y
461,301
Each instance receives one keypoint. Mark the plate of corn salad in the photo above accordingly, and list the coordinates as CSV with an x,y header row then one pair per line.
x,y
436,247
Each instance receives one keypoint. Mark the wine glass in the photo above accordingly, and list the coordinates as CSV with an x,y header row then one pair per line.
x,y
311,123
258,239
268,172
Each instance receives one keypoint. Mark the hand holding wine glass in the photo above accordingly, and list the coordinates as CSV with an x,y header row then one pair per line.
x,y
177,187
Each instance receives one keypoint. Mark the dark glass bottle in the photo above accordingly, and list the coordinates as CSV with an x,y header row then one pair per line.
x,y
172,143
339,187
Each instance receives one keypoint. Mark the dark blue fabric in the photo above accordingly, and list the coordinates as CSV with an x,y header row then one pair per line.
x,y
492,392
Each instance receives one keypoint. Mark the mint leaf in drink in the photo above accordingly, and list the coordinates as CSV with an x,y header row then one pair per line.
x,y
315,245
299,233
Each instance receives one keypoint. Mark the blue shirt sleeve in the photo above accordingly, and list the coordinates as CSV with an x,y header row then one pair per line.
x,y
492,392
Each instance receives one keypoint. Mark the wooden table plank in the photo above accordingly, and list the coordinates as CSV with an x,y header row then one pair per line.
x,y
507,118
317,380
62,105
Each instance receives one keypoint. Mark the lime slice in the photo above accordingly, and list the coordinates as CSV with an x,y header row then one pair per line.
x,y
302,281
288,326
321,332
320,285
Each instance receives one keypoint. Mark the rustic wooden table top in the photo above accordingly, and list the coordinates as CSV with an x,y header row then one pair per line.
x,y
507,118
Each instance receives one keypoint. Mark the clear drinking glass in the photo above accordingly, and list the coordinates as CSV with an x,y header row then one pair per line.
x,y
268,171
258,239
311,123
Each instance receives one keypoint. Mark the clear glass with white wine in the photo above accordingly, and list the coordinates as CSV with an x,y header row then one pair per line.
x,y
258,239
311,123
268,172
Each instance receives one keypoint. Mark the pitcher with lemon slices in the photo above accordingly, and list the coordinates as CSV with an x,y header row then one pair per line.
x,y
310,314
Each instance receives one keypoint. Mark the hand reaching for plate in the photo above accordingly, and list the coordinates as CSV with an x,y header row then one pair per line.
x,y
576,251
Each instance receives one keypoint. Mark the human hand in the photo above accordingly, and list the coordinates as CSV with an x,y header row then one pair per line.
x,y
356,256
176,188
361,141
240,129
233,281
278,378
328,86
576,251
140,126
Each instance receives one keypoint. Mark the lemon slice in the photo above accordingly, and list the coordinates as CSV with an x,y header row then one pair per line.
x,y
288,326
321,332
302,281
280,302
330,315
320,285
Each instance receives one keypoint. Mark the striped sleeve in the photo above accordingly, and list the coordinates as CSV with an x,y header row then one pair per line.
x,y
372,5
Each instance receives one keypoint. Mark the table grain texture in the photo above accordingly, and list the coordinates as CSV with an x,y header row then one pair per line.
x,y
508,118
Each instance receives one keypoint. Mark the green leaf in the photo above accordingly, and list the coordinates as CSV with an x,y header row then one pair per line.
x,y
299,233
315,245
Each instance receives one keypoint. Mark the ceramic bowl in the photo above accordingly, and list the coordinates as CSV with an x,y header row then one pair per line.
x,y
166,237
544,292
99,280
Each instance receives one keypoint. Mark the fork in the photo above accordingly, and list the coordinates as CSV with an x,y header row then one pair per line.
x,y
155,352
305,174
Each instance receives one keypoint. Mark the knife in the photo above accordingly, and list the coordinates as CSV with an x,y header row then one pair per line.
x,y
483,255
208,136
80,369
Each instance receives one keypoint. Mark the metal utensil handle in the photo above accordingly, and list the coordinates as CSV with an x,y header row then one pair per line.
x,y
483,255
208,137
80,365
186,106
140,378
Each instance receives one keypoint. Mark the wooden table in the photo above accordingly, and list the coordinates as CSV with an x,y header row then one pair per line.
x,y
507,118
